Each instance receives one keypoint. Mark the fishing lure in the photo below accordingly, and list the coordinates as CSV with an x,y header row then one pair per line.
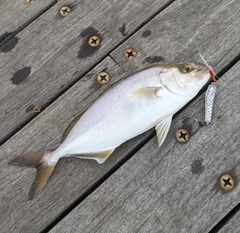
x,y
209,100
210,93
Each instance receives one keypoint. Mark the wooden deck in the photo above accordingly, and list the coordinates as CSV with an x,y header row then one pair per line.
x,y
45,61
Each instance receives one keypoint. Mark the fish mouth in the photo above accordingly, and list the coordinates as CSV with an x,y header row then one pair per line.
x,y
207,72
201,72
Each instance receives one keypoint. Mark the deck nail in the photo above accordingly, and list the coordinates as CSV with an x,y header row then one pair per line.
x,y
65,10
130,54
103,77
94,41
182,135
227,182
30,1
38,109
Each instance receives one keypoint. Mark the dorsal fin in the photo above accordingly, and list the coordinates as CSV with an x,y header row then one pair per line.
x,y
69,127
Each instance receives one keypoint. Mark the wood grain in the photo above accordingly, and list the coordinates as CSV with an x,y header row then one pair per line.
x,y
52,53
182,31
174,188
15,15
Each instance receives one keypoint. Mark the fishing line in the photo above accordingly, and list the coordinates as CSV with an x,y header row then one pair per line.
x,y
165,186
190,182
204,61
222,82
215,78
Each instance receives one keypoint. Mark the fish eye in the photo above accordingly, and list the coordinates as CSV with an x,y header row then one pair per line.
x,y
185,68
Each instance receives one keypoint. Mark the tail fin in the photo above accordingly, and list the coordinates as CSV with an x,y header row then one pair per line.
x,y
44,170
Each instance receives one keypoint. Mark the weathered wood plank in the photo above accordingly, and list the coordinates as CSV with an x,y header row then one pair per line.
x,y
14,15
52,53
45,132
30,217
174,188
182,31
233,225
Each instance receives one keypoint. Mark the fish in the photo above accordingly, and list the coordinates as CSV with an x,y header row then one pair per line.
x,y
146,99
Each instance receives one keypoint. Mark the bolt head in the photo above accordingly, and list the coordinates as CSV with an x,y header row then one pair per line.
x,y
65,10
227,182
182,135
130,54
94,41
103,78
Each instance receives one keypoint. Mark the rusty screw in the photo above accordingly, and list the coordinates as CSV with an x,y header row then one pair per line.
x,y
227,182
30,1
38,109
65,10
94,41
130,54
182,135
103,78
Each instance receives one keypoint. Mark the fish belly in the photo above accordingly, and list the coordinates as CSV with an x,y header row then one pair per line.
x,y
126,119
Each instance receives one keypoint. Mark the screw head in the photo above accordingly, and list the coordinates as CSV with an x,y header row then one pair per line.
x,y
227,182
182,135
130,54
30,1
103,77
94,41
65,10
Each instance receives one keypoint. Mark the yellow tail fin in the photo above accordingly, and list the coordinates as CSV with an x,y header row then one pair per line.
x,y
44,171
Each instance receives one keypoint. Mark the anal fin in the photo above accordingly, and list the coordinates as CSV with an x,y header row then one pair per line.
x,y
100,157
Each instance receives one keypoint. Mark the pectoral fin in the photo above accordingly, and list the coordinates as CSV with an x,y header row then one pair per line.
x,y
100,157
162,129
148,92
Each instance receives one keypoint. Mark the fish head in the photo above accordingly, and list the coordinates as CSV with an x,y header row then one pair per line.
x,y
185,79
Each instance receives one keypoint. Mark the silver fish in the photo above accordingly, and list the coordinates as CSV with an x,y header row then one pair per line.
x,y
146,99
